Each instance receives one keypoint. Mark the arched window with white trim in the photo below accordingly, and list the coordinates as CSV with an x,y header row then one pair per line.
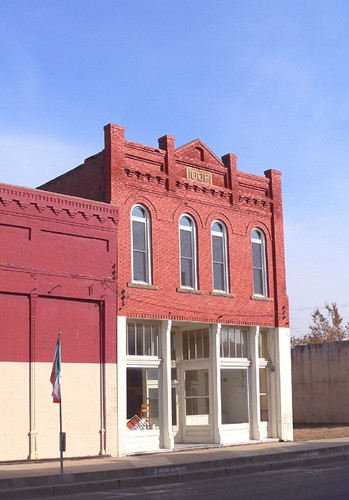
x,y
187,238
141,245
219,257
259,263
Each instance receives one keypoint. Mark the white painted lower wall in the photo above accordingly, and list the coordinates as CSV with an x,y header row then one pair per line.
x,y
14,414
29,420
81,401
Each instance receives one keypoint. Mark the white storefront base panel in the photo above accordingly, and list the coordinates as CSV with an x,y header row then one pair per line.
x,y
232,434
142,441
201,434
14,414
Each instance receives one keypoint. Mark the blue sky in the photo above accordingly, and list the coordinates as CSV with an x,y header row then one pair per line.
x,y
267,80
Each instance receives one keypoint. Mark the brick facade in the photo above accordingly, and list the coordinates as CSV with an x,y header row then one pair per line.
x,y
195,391
127,173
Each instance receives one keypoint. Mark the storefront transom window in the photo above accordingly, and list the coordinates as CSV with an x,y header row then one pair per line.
x,y
233,342
196,344
142,339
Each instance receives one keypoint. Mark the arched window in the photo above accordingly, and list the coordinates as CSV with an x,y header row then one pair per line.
x,y
141,245
219,257
187,237
259,263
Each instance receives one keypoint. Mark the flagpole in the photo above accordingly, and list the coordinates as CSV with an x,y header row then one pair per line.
x,y
61,446
61,435
55,380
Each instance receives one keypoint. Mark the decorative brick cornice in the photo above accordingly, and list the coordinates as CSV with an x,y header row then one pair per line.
x,y
5,201
27,198
205,189
145,176
253,201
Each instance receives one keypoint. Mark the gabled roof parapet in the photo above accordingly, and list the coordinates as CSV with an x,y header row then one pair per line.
x,y
197,151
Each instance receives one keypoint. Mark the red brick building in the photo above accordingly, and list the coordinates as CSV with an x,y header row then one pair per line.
x,y
58,257
203,334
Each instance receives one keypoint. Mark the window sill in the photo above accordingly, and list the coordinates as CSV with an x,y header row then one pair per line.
x,y
259,297
190,291
222,294
142,285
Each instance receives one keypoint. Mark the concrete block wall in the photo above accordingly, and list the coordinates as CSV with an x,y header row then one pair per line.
x,y
320,383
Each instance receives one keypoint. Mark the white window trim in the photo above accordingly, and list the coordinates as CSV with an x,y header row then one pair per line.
x,y
146,221
223,235
234,363
261,242
192,230
143,362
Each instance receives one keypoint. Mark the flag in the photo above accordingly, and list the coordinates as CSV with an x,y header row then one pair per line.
x,y
55,378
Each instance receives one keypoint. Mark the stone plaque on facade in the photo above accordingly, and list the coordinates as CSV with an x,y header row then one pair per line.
x,y
199,175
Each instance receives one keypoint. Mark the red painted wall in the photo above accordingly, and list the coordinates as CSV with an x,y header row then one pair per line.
x,y
157,178
79,322
57,271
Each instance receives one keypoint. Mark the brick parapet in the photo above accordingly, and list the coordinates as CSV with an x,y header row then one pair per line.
x,y
42,204
56,244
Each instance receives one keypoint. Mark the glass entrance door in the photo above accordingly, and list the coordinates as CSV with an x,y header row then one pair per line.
x,y
197,402
190,354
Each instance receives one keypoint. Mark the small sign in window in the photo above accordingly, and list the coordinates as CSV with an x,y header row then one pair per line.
x,y
135,423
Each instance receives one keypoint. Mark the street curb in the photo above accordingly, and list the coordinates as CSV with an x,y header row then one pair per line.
x,y
59,485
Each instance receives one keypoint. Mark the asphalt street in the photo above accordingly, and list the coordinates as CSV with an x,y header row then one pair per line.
x,y
319,482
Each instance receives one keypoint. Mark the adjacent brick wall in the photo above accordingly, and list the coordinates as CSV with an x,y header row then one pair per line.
x,y
58,266
56,246
86,180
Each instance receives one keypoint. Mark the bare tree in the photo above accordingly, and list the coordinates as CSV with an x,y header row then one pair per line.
x,y
325,328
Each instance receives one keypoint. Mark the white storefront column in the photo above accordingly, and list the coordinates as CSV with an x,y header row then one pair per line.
x,y
216,382
283,384
254,384
121,386
167,439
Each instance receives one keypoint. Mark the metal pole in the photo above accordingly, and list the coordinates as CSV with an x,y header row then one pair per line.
x,y
60,434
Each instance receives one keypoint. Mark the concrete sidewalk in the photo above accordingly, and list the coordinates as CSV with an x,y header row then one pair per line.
x,y
43,478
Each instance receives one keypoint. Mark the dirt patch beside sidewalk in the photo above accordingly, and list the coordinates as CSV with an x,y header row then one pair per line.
x,y
308,432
